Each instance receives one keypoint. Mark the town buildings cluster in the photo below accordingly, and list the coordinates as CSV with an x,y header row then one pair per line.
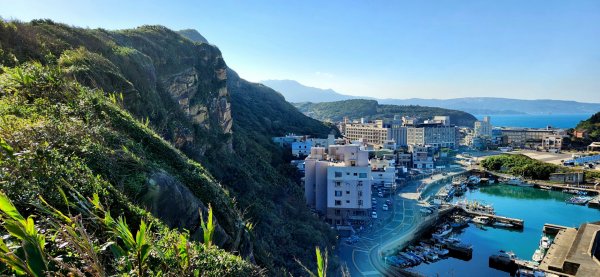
x,y
340,174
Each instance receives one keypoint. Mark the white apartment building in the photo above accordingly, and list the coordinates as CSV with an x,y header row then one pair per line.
x,y
421,158
483,128
383,172
338,183
436,135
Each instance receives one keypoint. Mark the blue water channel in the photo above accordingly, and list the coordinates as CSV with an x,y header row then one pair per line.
x,y
534,206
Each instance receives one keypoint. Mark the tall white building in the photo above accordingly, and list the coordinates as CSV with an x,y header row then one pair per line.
x,y
338,183
434,134
483,128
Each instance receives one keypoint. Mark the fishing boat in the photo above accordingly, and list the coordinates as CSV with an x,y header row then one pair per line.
x,y
475,206
474,180
460,247
507,255
442,232
459,222
503,224
538,255
483,220
579,200
545,242
546,187
515,181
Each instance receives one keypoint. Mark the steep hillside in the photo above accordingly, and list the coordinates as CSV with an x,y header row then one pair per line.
x,y
180,90
370,109
591,126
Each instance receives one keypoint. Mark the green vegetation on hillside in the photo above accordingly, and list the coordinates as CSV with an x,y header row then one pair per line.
x,y
357,108
591,126
144,147
520,165
65,144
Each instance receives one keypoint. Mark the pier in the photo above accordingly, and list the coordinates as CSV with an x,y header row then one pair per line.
x,y
517,223
553,229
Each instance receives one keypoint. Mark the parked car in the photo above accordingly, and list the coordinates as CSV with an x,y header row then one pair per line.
x,y
380,194
385,207
374,215
389,202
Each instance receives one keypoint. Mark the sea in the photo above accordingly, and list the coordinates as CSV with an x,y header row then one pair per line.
x,y
534,206
563,121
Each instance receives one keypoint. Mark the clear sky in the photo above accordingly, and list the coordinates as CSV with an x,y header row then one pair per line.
x,y
388,49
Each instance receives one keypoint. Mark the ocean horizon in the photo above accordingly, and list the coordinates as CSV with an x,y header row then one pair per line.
x,y
564,121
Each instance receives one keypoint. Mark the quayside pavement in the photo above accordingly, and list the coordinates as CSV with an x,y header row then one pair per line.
x,y
364,258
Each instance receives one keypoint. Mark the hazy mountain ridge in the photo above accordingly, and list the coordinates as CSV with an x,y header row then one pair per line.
x,y
370,109
296,92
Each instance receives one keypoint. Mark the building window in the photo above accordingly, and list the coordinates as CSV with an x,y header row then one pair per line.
x,y
337,212
338,174
360,193
360,202
348,201
355,174
338,202
338,193
360,183
347,192
362,175
338,184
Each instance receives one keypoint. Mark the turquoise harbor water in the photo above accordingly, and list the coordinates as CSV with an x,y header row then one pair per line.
x,y
534,206
537,121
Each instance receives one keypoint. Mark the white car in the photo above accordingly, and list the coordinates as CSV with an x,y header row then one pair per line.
x,y
380,194
374,215
385,207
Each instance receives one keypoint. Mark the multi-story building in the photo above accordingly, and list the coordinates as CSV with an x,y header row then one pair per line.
x,y
434,134
383,172
421,157
338,183
521,136
552,143
373,133
302,147
483,128
397,132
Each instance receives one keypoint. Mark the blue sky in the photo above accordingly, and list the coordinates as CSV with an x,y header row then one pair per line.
x,y
388,49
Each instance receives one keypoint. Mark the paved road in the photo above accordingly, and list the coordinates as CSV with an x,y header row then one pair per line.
x,y
364,257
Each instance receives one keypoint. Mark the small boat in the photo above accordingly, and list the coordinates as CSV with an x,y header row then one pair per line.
x,y
459,223
442,232
431,256
441,252
515,181
546,187
503,224
474,180
538,255
579,200
545,242
483,220
507,255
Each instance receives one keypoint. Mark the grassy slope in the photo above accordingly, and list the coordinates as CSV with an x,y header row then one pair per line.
x,y
256,173
354,109
65,136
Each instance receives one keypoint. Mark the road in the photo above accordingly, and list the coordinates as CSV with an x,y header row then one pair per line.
x,y
364,258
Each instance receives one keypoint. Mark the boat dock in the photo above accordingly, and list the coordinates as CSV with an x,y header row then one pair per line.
x,y
552,229
517,223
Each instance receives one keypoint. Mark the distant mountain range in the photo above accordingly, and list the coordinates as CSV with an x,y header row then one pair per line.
x,y
296,93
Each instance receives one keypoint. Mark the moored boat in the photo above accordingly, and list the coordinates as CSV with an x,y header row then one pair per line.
x,y
503,224
442,232
538,255
545,242
483,220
